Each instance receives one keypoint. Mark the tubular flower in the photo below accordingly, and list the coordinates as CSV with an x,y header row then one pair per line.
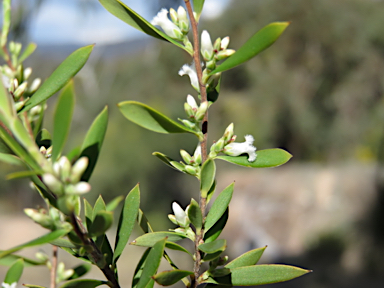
x,y
236,149
191,72
170,28
206,46
181,216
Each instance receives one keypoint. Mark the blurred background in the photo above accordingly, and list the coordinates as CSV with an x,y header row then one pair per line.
x,y
317,92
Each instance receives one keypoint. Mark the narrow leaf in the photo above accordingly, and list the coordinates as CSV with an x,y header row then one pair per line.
x,y
31,47
93,141
177,247
61,76
167,278
63,243
212,256
198,7
127,221
207,177
44,138
256,44
143,222
99,206
33,286
214,246
219,207
14,272
88,213
265,159
62,119
216,229
111,206
11,159
139,268
247,259
38,241
10,259
261,275
150,119
83,283
149,239
165,159
129,16
152,263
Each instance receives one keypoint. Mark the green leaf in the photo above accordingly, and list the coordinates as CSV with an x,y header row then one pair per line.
x,y
150,119
149,239
38,241
88,213
211,192
247,259
10,259
213,92
207,177
93,141
261,275
165,159
43,138
214,246
80,271
99,206
219,207
62,119
139,268
143,222
83,283
33,286
216,229
177,247
212,256
198,7
14,272
102,222
31,47
167,278
152,263
63,243
7,109
265,159
11,159
256,44
127,221
23,174
61,76
194,214
111,206
126,14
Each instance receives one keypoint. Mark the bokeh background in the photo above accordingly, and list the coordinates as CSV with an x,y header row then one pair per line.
x,y
317,92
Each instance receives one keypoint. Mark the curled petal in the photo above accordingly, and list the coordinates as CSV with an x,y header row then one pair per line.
x,y
236,149
191,72
170,28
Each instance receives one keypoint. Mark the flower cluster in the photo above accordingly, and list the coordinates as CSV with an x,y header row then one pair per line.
x,y
176,28
52,219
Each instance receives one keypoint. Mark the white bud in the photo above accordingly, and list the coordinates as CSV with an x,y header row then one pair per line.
x,y
183,19
78,169
224,43
35,85
206,46
180,215
27,72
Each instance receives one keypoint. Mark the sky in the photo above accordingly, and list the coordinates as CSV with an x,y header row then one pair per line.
x,y
62,22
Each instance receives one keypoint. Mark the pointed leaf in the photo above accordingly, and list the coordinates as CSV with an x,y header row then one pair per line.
x,y
247,259
143,222
111,206
62,119
139,268
61,76
152,263
150,119
194,214
127,221
63,243
38,241
212,256
207,177
102,222
99,206
31,47
83,283
265,159
149,239
256,44
33,286
80,271
216,229
177,247
11,159
261,275
93,141
23,174
88,213
14,272
126,14
198,7
165,159
219,207
167,278
214,246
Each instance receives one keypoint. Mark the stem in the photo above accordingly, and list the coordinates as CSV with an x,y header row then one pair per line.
x,y
54,266
96,255
204,128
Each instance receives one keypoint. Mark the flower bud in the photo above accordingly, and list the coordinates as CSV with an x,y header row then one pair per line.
x,y
183,19
172,218
219,145
40,218
180,215
78,169
78,189
169,28
65,168
191,170
173,15
20,90
197,155
224,54
188,110
228,133
206,46
192,102
191,72
188,124
202,110
53,183
186,157
27,73
224,43
217,44
35,85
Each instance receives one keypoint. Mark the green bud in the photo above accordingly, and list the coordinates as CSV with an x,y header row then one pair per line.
x,y
217,44
65,169
20,90
40,218
78,169
53,183
178,166
188,124
173,219
191,170
188,110
183,19
224,54
212,154
202,110
228,134
211,65
219,145
173,14
197,155
186,157
78,189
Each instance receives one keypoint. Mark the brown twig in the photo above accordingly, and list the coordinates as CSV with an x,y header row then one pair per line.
x,y
55,253
204,149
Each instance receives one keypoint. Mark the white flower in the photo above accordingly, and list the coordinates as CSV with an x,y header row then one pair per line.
x,y
206,46
236,149
170,28
191,72
192,102
224,43
6,285
180,215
